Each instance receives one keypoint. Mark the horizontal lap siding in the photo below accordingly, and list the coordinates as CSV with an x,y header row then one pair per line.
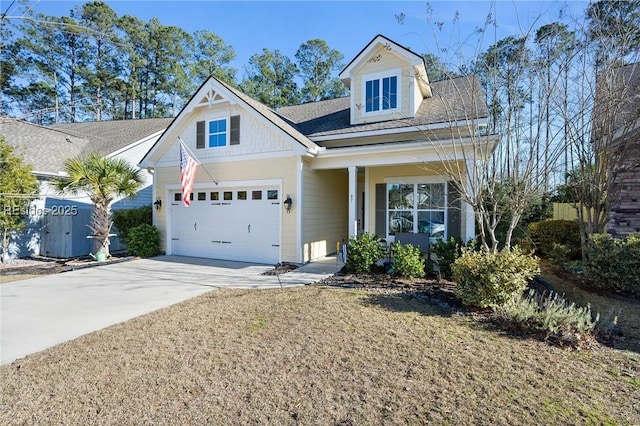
x,y
387,61
325,219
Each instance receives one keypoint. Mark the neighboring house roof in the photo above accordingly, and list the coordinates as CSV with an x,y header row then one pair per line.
x,y
44,148
109,136
453,100
47,148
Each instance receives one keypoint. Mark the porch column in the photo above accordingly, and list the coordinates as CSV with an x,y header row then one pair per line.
x,y
353,201
467,210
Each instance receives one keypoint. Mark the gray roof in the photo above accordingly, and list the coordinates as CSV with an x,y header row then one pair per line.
x,y
44,148
270,115
453,99
47,148
109,136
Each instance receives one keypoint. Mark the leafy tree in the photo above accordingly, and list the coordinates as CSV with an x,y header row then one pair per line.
x,y
614,23
103,58
316,62
103,179
436,68
49,56
134,73
270,79
211,56
18,188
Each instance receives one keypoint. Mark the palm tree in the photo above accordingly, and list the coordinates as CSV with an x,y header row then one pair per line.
x,y
103,179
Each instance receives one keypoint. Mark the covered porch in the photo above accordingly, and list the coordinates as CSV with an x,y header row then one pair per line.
x,y
398,188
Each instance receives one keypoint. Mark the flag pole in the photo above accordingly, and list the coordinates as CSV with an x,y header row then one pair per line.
x,y
186,148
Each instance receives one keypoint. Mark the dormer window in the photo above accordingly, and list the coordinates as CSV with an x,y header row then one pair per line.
x,y
381,92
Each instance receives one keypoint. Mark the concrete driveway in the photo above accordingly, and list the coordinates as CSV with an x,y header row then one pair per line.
x,y
41,312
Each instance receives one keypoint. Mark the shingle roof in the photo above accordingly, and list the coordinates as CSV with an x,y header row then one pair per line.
x,y
47,148
453,99
44,148
270,115
106,137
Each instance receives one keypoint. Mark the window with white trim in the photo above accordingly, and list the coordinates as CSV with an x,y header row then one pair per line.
x,y
417,208
381,94
216,133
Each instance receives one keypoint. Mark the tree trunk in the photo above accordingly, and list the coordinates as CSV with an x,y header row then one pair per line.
x,y
101,227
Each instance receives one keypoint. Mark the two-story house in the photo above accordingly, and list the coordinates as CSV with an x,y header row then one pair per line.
x,y
287,185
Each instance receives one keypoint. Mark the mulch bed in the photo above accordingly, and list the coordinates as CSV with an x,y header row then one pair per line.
x,y
440,292
46,266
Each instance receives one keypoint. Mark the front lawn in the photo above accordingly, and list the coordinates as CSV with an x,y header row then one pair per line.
x,y
316,355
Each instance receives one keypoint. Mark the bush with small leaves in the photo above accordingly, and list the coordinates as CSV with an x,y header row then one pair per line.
x,y
408,261
126,219
613,264
144,241
448,251
548,233
363,252
490,279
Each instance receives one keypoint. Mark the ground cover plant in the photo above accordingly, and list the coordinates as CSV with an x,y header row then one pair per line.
x,y
316,355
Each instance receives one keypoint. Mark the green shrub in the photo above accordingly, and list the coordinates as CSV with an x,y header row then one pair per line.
x,y
363,252
126,219
613,264
562,232
408,261
448,251
491,279
550,314
144,241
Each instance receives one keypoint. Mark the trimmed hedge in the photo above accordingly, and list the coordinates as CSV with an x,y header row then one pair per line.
x,y
492,279
144,241
126,219
556,238
614,264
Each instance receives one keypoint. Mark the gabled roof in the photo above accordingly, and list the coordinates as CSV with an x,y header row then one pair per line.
x,y
106,137
271,115
249,103
365,55
379,39
453,100
47,148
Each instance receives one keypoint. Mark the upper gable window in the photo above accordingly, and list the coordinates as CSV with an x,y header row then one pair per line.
x,y
381,93
218,133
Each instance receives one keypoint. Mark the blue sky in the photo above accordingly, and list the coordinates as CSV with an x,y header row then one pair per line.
x,y
249,26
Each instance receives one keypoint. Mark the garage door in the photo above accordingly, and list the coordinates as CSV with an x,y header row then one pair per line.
x,y
232,224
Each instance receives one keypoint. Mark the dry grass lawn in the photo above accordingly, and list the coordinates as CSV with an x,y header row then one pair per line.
x,y
316,355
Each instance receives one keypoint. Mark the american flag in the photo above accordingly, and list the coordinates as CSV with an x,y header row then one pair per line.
x,y
188,169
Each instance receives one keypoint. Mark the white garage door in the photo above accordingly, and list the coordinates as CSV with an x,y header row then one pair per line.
x,y
232,224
